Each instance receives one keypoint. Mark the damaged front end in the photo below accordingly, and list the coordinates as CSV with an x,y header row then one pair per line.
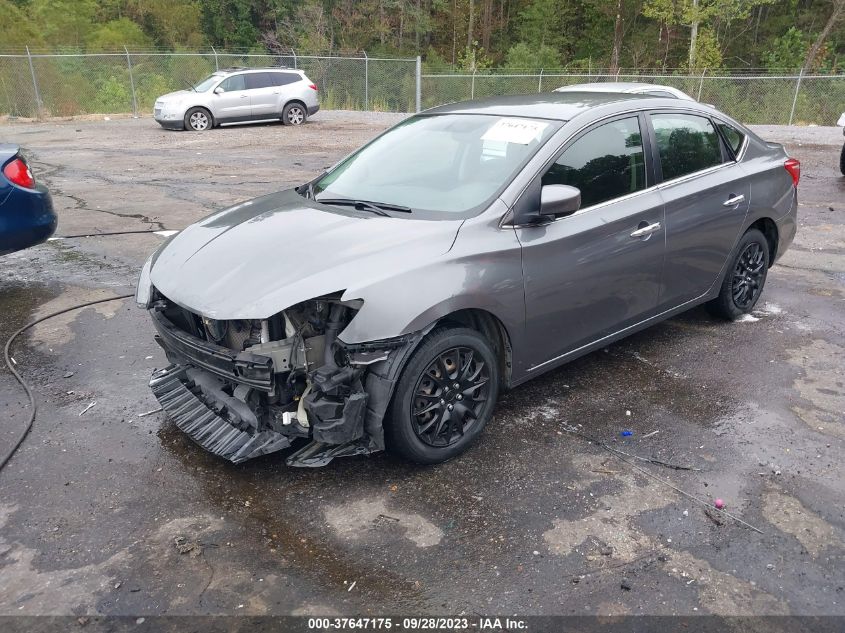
x,y
245,388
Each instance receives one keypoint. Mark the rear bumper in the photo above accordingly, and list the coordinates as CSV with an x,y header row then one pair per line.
x,y
787,226
26,219
313,109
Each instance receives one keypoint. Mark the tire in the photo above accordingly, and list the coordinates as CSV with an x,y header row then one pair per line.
x,y
744,279
469,361
198,120
294,114
842,160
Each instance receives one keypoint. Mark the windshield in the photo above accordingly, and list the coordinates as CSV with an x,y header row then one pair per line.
x,y
206,83
446,164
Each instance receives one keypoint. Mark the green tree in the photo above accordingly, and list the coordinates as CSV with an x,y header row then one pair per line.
x,y
64,22
116,34
786,52
543,23
522,56
16,29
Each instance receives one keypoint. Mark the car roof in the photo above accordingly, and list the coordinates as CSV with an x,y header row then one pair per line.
x,y
611,86
246,69
559,106
621,86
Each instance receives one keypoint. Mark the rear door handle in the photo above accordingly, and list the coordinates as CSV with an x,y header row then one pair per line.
x,y
646,230
733,201
244,96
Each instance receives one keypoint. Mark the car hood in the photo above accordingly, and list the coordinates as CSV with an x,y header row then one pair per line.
x,y
259,257
176,96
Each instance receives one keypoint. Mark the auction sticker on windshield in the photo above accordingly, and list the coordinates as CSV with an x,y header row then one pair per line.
x,y
521,131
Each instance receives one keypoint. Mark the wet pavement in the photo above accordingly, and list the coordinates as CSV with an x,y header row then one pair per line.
x,y
106,511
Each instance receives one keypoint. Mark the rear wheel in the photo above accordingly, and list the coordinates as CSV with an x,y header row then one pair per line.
x,y
198,119
294,114
444,398
744,281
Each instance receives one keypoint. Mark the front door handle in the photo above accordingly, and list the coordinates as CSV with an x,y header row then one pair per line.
x,y
733,201
244,96
646,230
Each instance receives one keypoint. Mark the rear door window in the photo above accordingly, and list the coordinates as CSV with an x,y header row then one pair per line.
x,y
733,137
686,143
233,83
607,162
256,81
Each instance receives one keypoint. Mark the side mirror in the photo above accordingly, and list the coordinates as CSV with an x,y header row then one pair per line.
x,y
559,200
218,90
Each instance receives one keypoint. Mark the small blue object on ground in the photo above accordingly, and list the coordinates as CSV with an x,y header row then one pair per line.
x,y
626,433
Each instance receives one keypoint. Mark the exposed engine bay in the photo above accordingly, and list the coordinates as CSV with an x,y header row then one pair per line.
x,y
245,388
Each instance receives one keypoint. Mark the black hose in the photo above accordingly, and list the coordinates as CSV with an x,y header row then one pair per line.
x,y
8,455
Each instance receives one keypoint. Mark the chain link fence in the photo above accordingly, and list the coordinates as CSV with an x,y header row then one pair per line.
x,y
753,99
37,85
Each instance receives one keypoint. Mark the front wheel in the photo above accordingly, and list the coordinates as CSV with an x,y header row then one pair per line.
x,y
444,398
744,280
294,114
842,160
198,119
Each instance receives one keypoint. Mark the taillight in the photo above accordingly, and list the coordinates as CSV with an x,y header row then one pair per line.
x,y
18,172
793,166
313,86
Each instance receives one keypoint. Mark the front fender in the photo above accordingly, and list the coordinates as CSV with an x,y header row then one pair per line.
x,y
482,271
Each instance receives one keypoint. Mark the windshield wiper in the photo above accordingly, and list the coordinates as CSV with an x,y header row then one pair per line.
x,y
378,208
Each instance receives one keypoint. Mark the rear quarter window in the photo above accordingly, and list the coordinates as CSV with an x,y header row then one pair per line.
x,y
733,137
283,79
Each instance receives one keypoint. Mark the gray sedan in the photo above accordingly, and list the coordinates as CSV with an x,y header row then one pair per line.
x,y
468,249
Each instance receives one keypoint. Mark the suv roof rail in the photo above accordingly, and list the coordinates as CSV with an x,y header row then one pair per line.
x,y
236,68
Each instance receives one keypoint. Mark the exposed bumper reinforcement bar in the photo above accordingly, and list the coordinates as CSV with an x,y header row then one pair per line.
x,y
172,388
243,367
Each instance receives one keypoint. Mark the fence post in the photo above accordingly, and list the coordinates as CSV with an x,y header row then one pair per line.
x,y
367,82
419,84
132,85
472,86
216,65
701,83
38,103
540,82
795,97
294,57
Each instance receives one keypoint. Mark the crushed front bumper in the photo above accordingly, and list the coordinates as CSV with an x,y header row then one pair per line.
x,y
182,399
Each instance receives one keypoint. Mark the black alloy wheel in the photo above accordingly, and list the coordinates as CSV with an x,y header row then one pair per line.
x,y
748,276
744,278
449,396
445,396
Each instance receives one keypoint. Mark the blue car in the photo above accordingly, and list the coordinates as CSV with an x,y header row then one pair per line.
x,y
26,209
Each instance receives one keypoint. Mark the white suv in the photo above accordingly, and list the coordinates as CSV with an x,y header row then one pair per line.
x,y
235,95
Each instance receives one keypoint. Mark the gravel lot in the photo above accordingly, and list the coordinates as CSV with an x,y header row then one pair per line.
x,y
530,521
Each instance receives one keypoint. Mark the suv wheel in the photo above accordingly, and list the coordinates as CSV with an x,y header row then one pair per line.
x,y
445,396
198,119
744,281
294,114
842,161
